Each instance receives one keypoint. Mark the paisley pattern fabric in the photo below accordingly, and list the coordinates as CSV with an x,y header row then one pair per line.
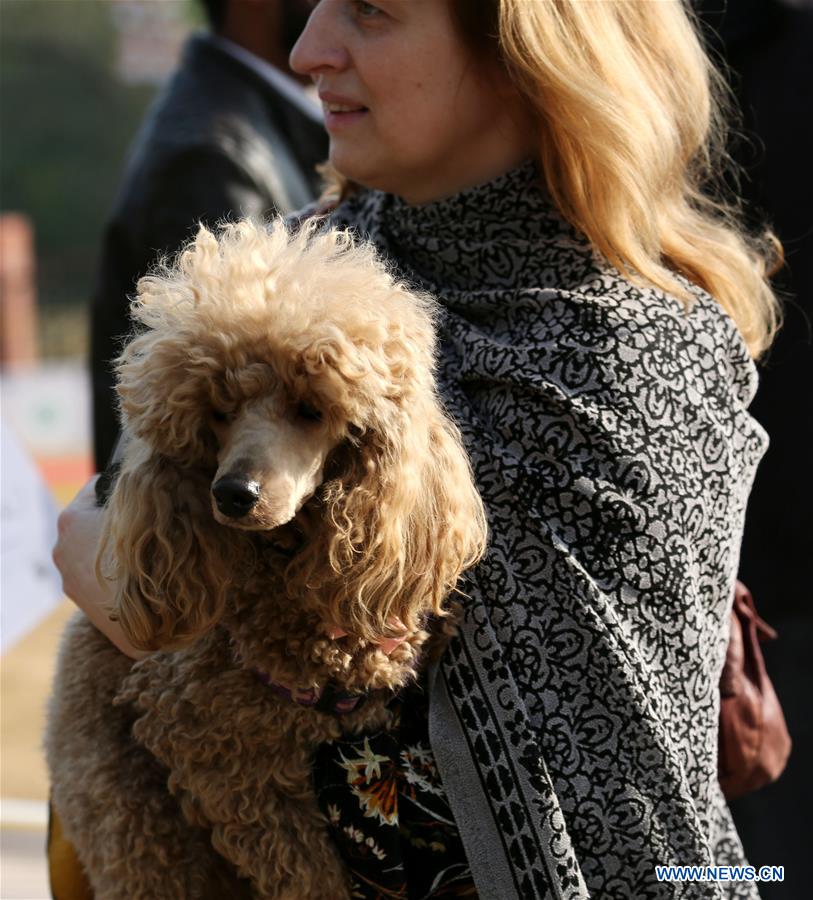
x,y
574,719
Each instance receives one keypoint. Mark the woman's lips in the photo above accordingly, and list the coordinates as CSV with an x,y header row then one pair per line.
x,y
336,118
340,110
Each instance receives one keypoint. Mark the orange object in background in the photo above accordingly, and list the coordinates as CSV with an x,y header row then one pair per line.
x,y
18,300
64,475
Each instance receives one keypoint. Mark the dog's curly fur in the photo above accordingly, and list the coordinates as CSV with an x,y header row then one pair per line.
x,y
298,366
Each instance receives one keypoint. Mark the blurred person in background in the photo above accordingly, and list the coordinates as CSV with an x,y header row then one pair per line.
x,y
766,45
233,134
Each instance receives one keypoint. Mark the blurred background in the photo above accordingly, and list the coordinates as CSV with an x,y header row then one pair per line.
x,y
76,77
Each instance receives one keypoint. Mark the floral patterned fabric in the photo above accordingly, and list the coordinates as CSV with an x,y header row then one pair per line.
x,y
387,810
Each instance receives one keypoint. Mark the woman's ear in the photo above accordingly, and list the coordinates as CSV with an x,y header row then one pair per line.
x,y
160,543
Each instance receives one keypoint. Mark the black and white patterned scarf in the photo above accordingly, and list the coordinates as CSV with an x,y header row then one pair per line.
x,y
574,720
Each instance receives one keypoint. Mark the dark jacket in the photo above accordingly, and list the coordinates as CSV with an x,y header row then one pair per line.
x,y
219,142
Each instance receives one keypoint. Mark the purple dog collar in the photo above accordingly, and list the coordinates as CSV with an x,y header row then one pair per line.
x,y
328,699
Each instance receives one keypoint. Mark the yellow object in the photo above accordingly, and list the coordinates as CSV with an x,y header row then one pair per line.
x,y
68,879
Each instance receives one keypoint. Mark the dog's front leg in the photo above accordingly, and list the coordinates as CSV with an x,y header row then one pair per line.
x,y
288,855
111,794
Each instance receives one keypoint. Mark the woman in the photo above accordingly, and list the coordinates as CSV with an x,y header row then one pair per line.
x,y
538,167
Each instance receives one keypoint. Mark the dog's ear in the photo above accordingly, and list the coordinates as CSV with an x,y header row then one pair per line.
x,y
167,555
402,522
164,396
166,373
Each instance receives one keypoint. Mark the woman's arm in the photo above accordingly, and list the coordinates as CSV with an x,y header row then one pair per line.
x,y
80,526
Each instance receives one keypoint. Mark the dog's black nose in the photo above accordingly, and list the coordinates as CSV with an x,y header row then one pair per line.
x,y
235,496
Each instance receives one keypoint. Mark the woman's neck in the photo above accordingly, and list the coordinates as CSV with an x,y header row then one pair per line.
x,y
503,147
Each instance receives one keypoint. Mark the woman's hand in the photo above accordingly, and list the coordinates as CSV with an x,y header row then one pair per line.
x,y
80,527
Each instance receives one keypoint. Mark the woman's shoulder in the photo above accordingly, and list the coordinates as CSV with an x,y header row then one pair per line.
x,y
348,214
635,326
316,209
564,297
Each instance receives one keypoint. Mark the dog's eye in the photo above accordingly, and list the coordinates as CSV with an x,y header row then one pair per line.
x,y
306,411
220,416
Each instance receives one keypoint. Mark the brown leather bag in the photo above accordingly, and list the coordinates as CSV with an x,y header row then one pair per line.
x,y
754,740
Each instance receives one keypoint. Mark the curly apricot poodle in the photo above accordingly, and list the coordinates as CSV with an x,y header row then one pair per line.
x,y
292,514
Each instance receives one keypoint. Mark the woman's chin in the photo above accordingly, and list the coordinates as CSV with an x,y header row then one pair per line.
x,y
359,166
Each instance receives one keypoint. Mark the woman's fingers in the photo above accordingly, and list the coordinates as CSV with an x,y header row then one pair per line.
x,y
79,527
79,530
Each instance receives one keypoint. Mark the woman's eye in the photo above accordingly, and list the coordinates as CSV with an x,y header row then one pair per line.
x,y
366,10
306,411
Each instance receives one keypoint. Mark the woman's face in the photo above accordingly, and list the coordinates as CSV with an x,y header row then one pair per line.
x,y
407,106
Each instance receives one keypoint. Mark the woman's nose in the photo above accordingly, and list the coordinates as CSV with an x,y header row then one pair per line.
x,y
319,47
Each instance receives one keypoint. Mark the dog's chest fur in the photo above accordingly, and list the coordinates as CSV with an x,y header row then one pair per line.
x,y
238,756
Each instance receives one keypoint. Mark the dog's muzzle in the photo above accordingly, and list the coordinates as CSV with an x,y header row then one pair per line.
x,y
235,497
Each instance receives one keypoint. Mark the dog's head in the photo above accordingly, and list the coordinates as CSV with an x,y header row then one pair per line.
x,y
272,370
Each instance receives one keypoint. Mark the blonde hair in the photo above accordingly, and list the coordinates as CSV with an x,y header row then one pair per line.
x,y
632,130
